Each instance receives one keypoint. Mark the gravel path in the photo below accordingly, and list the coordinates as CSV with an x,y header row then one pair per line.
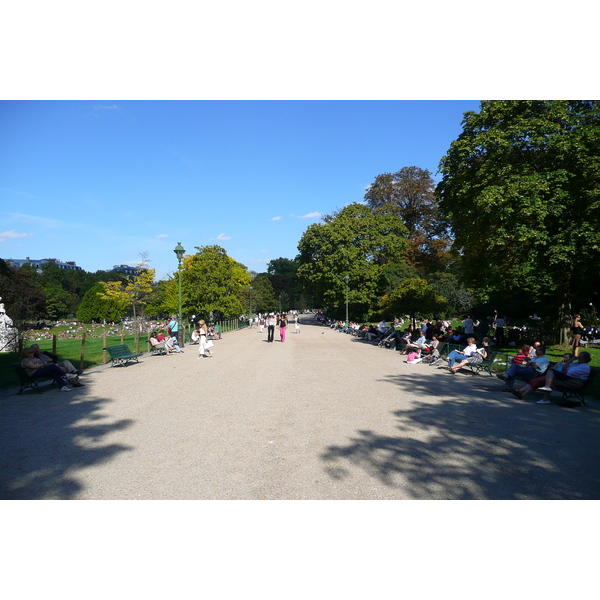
x,y
321,416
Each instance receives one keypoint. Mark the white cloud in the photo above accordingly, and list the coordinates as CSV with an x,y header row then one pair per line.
x,y
102,107
276,218
9,235
223,238
312,215
162,235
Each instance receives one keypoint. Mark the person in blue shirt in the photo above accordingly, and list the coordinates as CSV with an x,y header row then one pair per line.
x,y
572,376
174,327
534,367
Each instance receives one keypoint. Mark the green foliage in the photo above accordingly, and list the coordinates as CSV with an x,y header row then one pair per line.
x,y
413,297
135,291
460,300
283,274
213,283
164,298
409,194
356,242
263,295
21,293
96,307
283,266
521,188
58,300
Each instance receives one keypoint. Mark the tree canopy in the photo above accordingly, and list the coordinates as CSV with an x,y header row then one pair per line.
x,y
97,305
357,242
409,194
413,296
135,291
521,189
213,282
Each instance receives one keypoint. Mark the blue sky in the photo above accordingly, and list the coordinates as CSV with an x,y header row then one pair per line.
x,y
99,182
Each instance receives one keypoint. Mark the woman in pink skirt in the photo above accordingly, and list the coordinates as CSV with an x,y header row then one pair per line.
x,y
283,327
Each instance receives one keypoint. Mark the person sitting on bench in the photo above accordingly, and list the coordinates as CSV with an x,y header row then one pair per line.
x,y
538,382
168,345
48,357
36,368
572,376
535,367
466,353
477,357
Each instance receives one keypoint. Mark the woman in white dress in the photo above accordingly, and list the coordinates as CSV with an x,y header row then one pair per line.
x,y
205,344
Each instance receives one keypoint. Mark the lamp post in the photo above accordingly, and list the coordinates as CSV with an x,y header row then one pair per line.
x,y
179,251
346,279
279,303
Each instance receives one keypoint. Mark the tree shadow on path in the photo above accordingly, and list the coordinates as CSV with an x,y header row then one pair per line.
x,y
45,438
459,437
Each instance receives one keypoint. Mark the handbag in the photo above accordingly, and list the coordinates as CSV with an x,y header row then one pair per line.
x,y
209,344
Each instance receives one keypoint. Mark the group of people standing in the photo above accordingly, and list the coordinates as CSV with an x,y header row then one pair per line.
x,y
272,320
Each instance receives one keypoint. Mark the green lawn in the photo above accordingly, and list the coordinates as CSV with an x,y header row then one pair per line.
x,y
67,349
68,346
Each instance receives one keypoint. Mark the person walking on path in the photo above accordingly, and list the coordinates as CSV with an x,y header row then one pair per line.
x,y
270,328
283,323
205,343
297,324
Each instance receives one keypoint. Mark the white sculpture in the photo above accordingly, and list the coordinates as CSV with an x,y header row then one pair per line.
x,y
9,334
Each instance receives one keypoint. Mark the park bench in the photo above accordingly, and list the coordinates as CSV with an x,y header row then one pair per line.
x,y
26,381
577,393
485,365
158,350
122,355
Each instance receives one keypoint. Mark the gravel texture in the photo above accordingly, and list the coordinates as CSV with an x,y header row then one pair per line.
x,y
321,416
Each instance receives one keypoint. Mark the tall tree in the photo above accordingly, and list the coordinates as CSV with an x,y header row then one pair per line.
x,y
96,307
213,282
410,194
413,297
283,274
521,188
263,295
356,242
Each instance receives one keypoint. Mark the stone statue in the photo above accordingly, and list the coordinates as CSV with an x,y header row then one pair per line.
x,y
9,334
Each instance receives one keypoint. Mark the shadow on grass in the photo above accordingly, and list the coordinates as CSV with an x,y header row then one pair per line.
x,y
459,437
45,438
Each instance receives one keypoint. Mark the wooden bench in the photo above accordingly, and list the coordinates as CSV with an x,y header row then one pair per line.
x,y
26,381
122,355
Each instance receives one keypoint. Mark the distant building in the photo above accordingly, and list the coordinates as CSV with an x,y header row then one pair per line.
x,y
125,269
37,263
